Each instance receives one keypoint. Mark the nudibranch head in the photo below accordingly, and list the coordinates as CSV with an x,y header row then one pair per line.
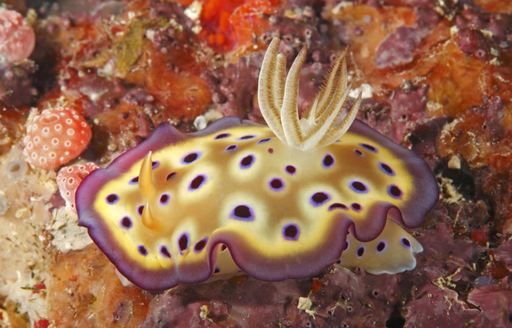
x,y
181,208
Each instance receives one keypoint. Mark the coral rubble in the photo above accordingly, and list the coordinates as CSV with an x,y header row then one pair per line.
x,y
434,76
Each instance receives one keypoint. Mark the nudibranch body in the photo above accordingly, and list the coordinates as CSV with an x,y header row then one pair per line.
x,y
274,202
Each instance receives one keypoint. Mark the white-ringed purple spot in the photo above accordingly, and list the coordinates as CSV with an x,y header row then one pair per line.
x,y
134,180
264,140
183,242
164,198
242,213
381,246
368,147
405,242
246,162
142,250
231,148
190,158
358,187
360,251
328,161
112,199
291,231
319,198
290,169
170,176
337,205
126,222
394,191
165,252
222,136
276,184
247,137
200,245
386,169
356,207
197,182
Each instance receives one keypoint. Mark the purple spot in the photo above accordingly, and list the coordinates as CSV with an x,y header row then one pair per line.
x,y
165,252
171,175
264,140
319,198
337,205
140,208
134,180
197,182
358,187
405,242
222,136
231,148
358,152
164,199
247,162
386,169
276,184
394,191
243,213
183,242
356,207
247,137
328,161
142,250
126,222
369,147
190,158
155,164
290,169
112,198
291,232
199,246
360,251
380,246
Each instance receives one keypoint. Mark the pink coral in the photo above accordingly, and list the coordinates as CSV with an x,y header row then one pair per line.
x,y
17,38
70,177
55,137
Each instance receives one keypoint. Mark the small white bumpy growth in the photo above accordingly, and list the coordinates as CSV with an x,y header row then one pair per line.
x,y
325,123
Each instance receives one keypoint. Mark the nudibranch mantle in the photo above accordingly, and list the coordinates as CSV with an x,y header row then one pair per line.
x,y
281,212
276,202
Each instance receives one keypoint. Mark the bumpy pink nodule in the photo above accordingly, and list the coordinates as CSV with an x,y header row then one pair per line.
x,y
17,38
55,137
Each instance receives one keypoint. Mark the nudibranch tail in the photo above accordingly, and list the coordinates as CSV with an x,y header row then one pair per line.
x,y
393,251
278,99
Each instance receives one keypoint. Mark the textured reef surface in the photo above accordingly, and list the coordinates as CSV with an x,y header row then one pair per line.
x,y
94,78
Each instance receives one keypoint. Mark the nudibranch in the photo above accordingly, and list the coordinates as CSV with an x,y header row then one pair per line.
x,y
276,202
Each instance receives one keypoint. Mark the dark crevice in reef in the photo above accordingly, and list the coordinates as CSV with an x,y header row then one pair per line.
x,y
396,320
462,178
